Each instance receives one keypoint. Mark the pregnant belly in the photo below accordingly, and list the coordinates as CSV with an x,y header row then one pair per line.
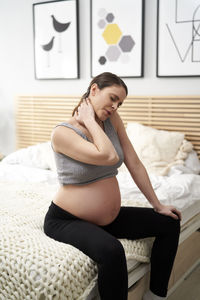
x,y
97,202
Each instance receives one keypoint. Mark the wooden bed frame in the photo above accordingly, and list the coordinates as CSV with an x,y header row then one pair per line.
x,y
37,115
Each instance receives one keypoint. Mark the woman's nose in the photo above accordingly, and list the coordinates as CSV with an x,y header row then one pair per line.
x,y
114,106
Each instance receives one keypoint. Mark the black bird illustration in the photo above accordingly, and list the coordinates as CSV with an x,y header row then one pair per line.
x,y
48,47
60,27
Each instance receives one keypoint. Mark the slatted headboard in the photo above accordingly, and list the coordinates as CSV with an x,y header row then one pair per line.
x,y
37,115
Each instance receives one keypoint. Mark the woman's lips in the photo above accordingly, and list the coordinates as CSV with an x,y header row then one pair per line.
x,y
108,112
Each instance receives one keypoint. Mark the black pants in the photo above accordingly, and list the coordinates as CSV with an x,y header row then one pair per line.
x,y
101,244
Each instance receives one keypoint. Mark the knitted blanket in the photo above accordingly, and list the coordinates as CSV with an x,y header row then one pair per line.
x,y
34,266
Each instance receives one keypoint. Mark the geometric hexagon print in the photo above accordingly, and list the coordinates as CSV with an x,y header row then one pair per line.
x,y
117,37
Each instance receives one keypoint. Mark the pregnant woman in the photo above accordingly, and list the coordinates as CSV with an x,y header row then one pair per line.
x,y
87,211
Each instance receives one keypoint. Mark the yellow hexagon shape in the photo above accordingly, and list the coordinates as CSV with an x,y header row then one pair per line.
x,y
112,34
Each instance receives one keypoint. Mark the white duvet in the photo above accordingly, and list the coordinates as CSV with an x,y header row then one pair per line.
x,y
179,189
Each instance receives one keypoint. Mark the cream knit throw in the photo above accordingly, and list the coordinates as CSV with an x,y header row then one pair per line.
x,y
36,267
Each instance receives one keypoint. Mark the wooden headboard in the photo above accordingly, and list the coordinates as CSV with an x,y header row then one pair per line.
x,y
37,115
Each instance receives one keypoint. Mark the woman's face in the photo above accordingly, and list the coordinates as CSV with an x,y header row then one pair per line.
x,y
107,100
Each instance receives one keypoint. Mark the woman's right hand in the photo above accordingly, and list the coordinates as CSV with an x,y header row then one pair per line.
x,y
85,112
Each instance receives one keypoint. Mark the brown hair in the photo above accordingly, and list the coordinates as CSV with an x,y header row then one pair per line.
x,y
102,80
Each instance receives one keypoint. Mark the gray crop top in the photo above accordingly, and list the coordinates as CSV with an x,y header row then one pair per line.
x,y
71,171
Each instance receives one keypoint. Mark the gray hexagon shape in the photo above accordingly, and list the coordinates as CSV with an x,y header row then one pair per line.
x,y
126,43
113,53
101,24
102,60
110,17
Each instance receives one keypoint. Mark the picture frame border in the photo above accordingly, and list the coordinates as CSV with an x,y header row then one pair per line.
x,y
158,51
142,42
77,41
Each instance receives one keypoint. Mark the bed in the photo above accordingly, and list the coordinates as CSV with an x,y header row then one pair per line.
x,y
32,266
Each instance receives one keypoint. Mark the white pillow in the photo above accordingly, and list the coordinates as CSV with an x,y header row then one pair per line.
x,y
192,162
37,156
158,149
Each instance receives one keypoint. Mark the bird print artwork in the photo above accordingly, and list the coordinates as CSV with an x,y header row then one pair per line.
x,y
56,39
47,47
60,27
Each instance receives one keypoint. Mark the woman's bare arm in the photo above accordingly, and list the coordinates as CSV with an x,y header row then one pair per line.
x,y
139,173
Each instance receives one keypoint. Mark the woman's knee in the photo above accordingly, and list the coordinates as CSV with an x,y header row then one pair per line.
x,y
168,225
174,226
113,252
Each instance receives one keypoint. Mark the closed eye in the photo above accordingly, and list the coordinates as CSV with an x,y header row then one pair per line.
x,y
116,99
119,104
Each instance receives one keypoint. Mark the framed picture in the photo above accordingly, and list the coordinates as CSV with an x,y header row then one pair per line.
x,y
56,39
178,38
117,37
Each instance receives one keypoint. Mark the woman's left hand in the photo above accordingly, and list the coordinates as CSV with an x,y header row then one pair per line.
x,y
169,210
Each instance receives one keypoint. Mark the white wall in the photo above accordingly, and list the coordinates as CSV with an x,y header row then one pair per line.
x,y
17,66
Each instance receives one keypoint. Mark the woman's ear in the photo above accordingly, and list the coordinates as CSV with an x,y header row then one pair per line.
x,y
94,88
